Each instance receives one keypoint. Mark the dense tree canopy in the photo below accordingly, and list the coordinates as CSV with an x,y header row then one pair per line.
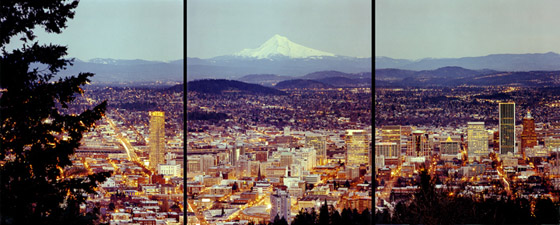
x,y
37,136
429,206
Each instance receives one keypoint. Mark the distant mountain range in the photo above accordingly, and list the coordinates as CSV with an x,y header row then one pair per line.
x,y
279,60
278,56
503,62
111,71
317,79
301,83
458,76
269,84
222,86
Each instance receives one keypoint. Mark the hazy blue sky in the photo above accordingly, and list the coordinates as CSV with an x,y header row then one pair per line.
x,y
221,27
445,29
124,29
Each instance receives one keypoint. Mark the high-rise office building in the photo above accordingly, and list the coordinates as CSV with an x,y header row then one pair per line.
x,y
419,145
241,146
280,205
357,147
319,143
234,156
449,147
507,128
392,134
477,140
528,135
206,161
157,139
193,164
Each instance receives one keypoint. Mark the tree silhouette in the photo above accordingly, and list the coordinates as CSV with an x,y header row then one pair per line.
x,y
335,216
429,206
37,137
279,221
546,211
324,217
329,215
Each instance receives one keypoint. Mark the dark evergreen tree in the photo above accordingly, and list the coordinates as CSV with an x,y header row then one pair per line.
x,y
324,217
382,217
365,217
276,220
37,137
302,218
312,217
355,217
346,215
546,212
335,217
282,221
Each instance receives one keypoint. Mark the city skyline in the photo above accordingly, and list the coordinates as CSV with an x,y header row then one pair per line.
x,y
466,145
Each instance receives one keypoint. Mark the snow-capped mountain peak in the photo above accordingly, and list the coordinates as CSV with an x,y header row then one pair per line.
x,y
279,45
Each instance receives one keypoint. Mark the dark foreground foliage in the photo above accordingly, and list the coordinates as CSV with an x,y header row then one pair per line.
x,y
326,216
37,137
432,207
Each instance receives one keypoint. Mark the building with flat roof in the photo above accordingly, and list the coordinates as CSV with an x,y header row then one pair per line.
x,y
477,140
507,127
157,139
319,143
280,205
357,147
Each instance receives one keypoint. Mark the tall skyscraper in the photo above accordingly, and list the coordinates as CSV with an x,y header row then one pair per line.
x,y
157,139
419,145
319,143
234,156
528,135
281,204
357,147
392,134
477,140
507,128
